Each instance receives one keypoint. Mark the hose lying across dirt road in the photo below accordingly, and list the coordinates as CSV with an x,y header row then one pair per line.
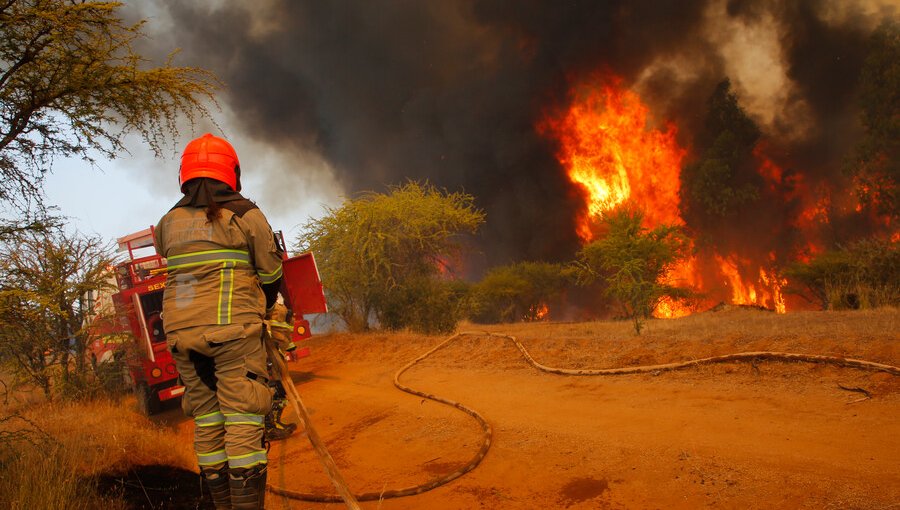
x,y
488,431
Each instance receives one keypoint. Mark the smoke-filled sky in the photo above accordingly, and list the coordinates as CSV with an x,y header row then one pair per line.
x,y
329,98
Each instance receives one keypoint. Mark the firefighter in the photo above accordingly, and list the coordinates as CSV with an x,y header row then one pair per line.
x,y
224,271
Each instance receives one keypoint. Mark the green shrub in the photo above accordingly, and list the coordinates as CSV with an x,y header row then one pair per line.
x,y
865,274
632,261
517,292
376,251
425,305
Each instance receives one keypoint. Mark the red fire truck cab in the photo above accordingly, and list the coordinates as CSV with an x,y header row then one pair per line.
x,y
138,306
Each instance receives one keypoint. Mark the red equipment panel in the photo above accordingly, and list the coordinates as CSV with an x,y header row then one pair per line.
x,y
301,279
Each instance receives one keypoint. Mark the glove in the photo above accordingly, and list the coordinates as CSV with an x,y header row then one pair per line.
x,y
279,330
278,312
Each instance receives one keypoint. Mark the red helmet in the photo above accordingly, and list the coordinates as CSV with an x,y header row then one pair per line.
x,y
213,157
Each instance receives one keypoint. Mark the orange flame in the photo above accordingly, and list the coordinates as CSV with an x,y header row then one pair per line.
x,y
775,283
766,292
682,275
668,308
538,312
609,151
613,155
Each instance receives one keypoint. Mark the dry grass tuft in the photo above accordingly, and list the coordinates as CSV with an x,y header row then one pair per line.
x,y
118,436
45,480
81,440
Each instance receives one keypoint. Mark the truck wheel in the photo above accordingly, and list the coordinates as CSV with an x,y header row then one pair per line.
x,y
147,399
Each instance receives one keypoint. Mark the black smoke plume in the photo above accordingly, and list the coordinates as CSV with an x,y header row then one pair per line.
x,y
450,91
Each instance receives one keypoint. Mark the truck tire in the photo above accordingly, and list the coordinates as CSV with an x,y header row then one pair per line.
x,y
147,399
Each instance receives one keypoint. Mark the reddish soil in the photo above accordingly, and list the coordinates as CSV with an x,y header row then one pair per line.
x,y
769,435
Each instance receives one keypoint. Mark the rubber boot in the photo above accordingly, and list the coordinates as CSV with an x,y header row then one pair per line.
x,y
217,480
248,487
276,430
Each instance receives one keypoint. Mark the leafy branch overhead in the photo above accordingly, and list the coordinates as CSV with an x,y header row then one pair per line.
x,y
71,84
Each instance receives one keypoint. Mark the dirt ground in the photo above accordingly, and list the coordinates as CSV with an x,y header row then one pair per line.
x,y
736,435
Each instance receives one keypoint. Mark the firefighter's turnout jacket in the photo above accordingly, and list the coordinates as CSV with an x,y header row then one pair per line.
x,y
216,269
213,309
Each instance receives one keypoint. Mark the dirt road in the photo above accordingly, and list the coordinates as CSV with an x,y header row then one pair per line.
x,y
768,435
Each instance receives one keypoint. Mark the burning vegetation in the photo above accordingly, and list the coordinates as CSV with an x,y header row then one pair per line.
x,y
616,157
764,132
611,153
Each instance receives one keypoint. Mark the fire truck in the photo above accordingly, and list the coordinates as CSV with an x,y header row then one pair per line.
x,y
141,279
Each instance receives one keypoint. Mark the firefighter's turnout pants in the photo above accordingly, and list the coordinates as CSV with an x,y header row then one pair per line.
x,y
226,392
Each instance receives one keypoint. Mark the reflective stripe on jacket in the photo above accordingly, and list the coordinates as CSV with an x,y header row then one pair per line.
x,y
215,269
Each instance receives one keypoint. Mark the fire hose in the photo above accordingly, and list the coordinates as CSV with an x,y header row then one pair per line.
x,y
331,469
350,499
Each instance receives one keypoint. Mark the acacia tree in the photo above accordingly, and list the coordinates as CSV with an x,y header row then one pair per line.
x,y
375,251
71,84
47,278
632,261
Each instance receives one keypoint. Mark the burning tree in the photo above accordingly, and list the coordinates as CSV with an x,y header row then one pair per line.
x,y
876,164
381,254
632,262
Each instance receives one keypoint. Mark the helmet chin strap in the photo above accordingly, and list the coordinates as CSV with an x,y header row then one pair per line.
x,y
237,175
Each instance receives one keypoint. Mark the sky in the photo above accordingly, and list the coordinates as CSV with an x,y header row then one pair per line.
x,y
114,198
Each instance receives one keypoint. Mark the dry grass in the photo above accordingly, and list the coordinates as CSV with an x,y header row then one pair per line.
x,y
873,335
82,440
734,324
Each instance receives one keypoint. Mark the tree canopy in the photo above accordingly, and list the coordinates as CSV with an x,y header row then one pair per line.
x,y
71,84
376,246
723,180
876,162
